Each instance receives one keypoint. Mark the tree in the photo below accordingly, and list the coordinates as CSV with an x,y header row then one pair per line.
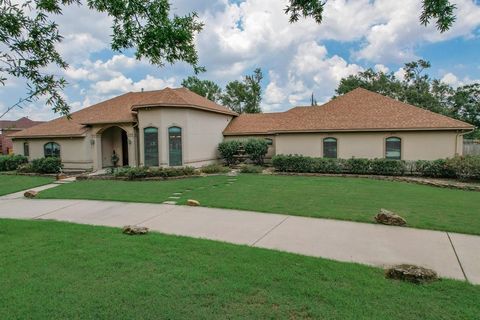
x,y
244,96
442,11
419,89
205,88
28,39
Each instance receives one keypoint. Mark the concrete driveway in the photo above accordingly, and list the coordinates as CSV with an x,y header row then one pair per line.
x,y
452,255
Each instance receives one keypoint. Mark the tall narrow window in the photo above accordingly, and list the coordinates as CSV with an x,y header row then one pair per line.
x,y
175,146
26,149
150,137
393,148
51,149
329,148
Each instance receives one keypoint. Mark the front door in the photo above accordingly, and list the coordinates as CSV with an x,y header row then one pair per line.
x,y
124,148
175,146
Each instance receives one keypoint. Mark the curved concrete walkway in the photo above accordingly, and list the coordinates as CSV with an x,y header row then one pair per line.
x,y
452,255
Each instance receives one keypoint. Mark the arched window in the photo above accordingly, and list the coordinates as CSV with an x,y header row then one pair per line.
x,y
393,148
51,149
330,147
26,149
175,146
150,137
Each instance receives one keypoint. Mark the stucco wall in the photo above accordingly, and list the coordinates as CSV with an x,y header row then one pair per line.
x,y
201,133
427,145
76,153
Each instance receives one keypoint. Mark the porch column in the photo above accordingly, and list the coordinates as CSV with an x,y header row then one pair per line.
x,y
97,152
132,149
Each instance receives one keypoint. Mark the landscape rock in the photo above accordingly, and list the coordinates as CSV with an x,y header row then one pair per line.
x,y
411,273
193,203
389,218
134,230
61,176
30,194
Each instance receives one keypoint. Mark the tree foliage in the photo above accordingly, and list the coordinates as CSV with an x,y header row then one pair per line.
x,y
244,96
205,88
28,39
419,89
442,11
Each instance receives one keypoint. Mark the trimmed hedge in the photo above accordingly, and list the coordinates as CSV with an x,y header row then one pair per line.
x,y
46,165
214,168
467,167
228,150
146,172
12,162
256,149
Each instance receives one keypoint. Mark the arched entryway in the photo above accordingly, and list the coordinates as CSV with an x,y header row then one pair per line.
x,y
114,147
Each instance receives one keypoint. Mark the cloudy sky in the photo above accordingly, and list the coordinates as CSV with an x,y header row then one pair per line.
x,y
297,59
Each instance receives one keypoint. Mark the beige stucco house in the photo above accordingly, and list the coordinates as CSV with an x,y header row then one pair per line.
x,y
175,127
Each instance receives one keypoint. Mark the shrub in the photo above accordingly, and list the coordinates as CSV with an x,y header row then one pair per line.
x,y
248,168
388,167
256,149
228,150
214,168
435,169
358,166
326,165
467,167
47,165
12,162
146,172
25,168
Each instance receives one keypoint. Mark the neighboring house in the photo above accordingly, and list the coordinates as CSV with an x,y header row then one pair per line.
x,y
8,127
174,127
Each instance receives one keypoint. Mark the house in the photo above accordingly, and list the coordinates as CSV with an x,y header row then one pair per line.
x,y
8,127
173,127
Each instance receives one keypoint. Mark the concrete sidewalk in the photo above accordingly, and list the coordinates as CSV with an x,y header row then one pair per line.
x,y
452,255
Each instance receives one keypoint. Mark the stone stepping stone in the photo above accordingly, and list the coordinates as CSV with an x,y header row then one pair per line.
x,y
177,193
174,197
169,202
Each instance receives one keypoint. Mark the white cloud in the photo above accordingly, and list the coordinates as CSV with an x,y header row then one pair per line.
x,y
121,84
451,79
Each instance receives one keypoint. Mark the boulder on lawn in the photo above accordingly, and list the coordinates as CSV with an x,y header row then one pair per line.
x,y
133,230
389,218
30,194
411,273
61,176
193,203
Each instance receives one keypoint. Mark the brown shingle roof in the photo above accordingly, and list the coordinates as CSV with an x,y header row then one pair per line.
x,y
21,123
358,110
119,110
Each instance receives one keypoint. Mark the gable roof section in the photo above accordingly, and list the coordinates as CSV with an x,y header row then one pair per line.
x,y
358,110
19,124
120,109
180,97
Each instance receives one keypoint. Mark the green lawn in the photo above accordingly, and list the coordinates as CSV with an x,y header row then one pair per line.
x,y
54,270
327,197
12,183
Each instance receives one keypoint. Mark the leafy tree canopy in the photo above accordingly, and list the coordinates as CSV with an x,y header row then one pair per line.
x,y
205,88
29,36
442,11
240,96
419,89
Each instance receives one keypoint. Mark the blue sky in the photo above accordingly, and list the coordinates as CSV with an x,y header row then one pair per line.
x,y
239,36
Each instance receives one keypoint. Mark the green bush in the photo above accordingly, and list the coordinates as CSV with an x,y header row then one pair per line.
x,y
135,173
256,149
465,168
358,166
228,150
214,168
388,167
25,168
248,168
47,165
326,165
12,162
436,169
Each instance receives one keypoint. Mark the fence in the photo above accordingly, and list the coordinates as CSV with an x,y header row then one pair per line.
x,y
471,147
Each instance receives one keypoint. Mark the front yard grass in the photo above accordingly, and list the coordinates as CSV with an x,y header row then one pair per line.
x,y
355,199
54,270
13,183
